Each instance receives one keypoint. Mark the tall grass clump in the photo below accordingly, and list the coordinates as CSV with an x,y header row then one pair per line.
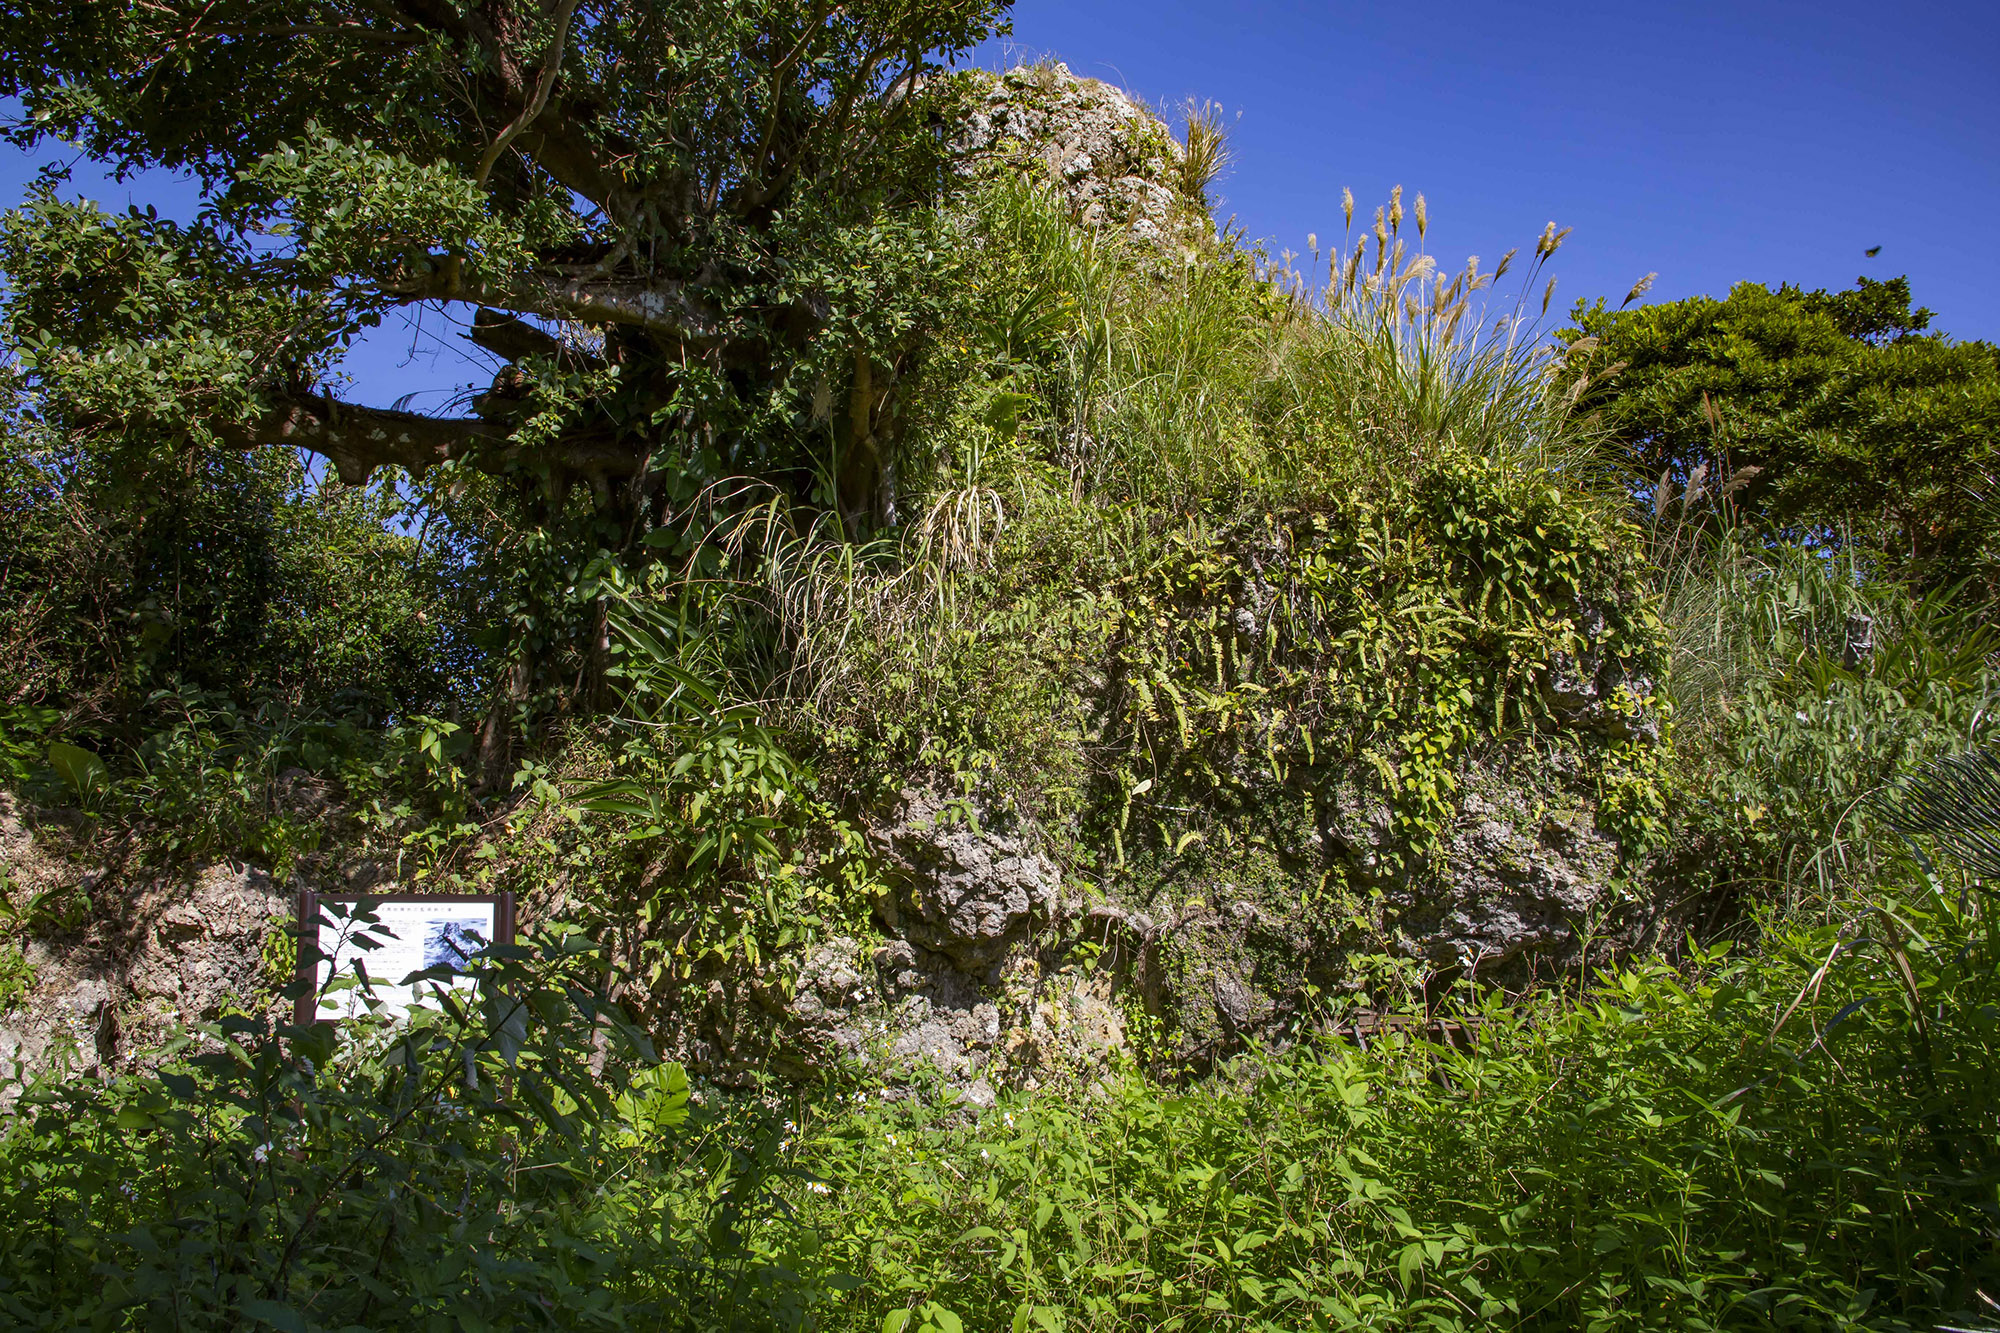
x,y
1214,372
1800,681
1205,156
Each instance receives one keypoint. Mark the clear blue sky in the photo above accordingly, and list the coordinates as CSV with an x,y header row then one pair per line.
x,y
1713,143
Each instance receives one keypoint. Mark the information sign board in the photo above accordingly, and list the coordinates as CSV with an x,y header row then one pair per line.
x,y
410,933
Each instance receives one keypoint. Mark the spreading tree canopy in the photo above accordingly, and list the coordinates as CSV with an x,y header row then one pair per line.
x,y
699,233
1830,416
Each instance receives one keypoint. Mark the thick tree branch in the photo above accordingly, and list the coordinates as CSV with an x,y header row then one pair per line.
x,y
551,67
357,440
556,141
512,339
660,307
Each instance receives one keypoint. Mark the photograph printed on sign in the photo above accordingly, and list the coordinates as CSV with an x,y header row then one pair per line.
x,y
407,937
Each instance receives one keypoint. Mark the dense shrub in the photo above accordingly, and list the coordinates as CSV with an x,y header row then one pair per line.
x,y
1841,415
515,1159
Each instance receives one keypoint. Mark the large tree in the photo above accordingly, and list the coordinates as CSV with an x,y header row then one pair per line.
x,y
700,233
1830,416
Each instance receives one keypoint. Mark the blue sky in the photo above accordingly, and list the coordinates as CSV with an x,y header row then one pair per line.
x,y
1712,143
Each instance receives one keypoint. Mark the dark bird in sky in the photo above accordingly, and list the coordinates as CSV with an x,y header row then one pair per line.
x,y
1873,250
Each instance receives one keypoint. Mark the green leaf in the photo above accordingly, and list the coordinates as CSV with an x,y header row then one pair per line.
x,y
83,771
276,1315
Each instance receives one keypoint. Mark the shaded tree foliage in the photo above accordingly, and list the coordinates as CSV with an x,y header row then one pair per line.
x,y
230,574
700,239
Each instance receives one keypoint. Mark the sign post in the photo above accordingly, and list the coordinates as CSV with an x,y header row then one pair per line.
x,y
411,932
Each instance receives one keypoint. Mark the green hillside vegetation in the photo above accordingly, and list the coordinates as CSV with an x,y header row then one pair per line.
x,y
1296,610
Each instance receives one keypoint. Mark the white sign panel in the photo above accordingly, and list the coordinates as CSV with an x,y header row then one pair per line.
x,y
405,937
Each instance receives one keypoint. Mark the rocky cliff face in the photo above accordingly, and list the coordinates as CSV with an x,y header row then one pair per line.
x,y
121,961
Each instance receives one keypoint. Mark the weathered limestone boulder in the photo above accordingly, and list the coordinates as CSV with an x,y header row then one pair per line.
x,y
148,956
1112,159
1523,876
1522,883
960,884
899,1010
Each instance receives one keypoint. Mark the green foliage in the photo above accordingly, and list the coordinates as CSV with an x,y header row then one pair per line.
x,y
1804,1138
514,1156
215,572
810,480
1830,416
1800,686
687,228
1391,634
17,975
709,784
739,192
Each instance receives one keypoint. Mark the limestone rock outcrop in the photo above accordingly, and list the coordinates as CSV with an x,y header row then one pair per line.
x,y
963,885
1112,159
170,951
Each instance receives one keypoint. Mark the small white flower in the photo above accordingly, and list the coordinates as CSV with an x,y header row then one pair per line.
x,y
818,1187
891,1138
983,1155
1007,1119
260,1153
1803,716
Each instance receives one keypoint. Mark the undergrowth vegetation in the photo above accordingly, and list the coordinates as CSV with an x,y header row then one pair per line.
x,y
1799,1137
1803,1138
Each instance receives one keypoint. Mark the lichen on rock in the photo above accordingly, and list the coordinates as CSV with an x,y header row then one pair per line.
x,y
1114,162
960,883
